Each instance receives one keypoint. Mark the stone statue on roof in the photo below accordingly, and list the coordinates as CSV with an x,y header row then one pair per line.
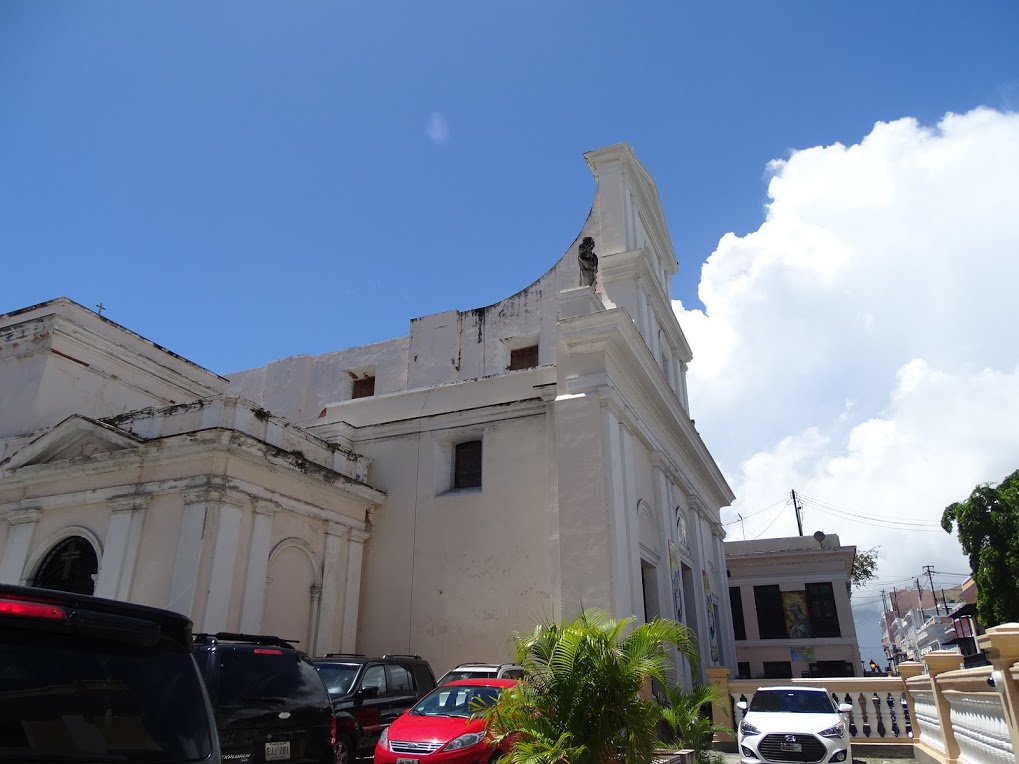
x,y
588,262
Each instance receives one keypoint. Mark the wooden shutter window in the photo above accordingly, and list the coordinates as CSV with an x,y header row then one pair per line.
x,y
364,388
467,465
523,358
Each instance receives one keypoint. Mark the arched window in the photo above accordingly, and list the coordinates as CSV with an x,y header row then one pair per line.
x,y
70,566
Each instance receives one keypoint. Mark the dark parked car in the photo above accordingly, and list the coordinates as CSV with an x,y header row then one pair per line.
x,y
269,701
369,693
89,679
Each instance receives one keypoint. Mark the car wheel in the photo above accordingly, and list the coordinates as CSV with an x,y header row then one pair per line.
x,y
345,751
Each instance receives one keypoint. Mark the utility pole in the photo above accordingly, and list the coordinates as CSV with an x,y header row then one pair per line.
x,y
796,507
929,570
742,526
919,596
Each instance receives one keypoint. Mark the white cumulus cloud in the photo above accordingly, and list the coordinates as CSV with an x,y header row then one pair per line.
x,y
861,345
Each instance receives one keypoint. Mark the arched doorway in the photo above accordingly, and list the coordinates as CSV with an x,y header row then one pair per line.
x,y
70,566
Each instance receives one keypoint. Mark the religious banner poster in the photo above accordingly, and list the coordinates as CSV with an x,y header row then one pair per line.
x,y
712,631
797,622
677,580
802,654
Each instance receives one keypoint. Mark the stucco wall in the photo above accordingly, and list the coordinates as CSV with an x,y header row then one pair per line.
x,y
450,575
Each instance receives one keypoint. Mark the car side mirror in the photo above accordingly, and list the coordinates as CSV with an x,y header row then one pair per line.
x,y
845,708
365,692
741,705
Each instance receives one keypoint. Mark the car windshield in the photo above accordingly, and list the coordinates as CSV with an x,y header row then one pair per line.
x,y
76,699
250,679
792,702
338,677
462,700
457,674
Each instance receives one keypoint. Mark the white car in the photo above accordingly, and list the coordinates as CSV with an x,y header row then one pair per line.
x,y
801,724
482,671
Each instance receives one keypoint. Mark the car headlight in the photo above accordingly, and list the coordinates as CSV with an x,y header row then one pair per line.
x,y
746,728
465,741
384,739
837,730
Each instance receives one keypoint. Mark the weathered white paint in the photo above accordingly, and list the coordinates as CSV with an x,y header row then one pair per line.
x,y
258,568
22,524
189,549
352,593
122,536
334,579
224,557
371,549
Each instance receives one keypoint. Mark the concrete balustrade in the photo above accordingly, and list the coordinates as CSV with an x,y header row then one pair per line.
x,y
936,710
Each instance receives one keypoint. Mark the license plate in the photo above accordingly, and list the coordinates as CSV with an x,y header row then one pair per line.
x,y
797,747
278,751
406,761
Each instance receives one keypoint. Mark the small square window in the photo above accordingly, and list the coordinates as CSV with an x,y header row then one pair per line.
x,y
467,465
364,388
523,358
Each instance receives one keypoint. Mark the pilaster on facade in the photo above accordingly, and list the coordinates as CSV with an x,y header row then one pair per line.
x,y
352,593
188,557
227,505
615,491
123,535
22,521
255,585
334,579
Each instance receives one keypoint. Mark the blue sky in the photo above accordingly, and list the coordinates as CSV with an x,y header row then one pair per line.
x,y
244,181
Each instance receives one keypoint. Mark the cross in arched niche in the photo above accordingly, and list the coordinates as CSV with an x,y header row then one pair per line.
x,y
68,556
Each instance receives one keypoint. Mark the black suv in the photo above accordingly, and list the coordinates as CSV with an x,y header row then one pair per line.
x,y
89,679
369,693
270,703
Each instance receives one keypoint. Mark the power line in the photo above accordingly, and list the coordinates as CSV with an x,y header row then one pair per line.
x,y
878,524
760,511
777,515
856,515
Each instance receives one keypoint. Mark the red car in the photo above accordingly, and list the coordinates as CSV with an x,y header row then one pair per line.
x,y
439,730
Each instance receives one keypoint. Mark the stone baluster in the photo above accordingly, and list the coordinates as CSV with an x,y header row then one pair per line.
x,y
908,670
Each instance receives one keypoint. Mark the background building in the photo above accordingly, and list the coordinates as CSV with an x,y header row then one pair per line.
x,y
791,607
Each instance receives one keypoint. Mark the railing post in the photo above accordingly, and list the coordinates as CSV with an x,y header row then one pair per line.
x,y
718,676
908,670
938,662
1001,643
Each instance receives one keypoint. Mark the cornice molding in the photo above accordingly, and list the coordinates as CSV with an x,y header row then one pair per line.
x,y
20,515
208,444
483,415
130,503
73,332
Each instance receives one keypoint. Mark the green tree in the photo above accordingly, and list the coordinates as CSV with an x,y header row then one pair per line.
x,y
864,566
582,701
688,717
987,524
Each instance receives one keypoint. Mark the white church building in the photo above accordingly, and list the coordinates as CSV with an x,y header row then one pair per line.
x,y
429,494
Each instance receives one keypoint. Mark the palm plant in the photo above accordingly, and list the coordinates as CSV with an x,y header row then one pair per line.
x,y
581,701
686,719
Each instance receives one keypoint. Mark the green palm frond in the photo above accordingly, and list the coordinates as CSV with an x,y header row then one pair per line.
x,y
581,702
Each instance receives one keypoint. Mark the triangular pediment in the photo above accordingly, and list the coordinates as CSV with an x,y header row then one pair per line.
x,y
76,437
